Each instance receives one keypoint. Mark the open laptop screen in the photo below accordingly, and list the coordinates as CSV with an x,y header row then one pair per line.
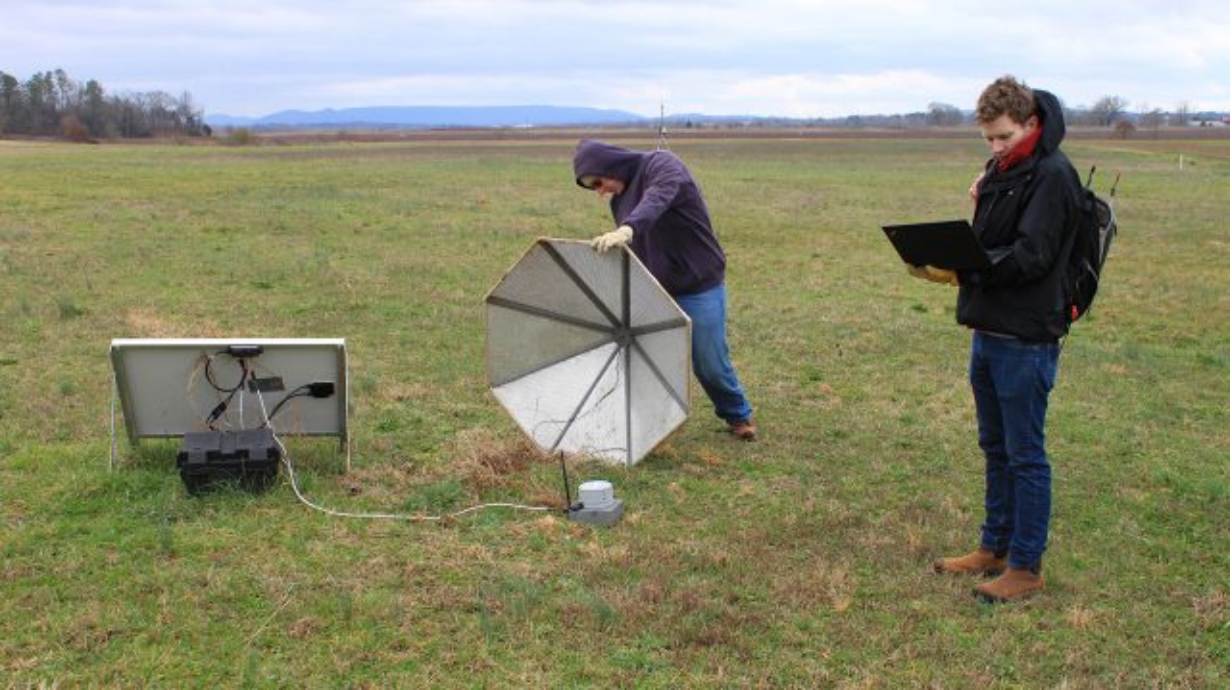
x,y
947,244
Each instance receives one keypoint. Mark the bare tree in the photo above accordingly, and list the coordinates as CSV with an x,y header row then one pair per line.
x,y
944,115
1181,118
1152,120
67,92
190,118
1108,110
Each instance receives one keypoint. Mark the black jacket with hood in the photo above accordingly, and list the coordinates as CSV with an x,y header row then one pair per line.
x,y
672,234
1024,218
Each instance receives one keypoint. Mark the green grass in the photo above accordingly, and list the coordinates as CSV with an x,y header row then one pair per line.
x,y
801,560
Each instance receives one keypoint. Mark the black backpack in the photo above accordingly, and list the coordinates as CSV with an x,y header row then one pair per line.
x,y
1090,248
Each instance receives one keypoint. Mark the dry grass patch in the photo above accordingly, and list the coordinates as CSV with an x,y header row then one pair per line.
x,y
143,322
819,582
1080,617
484,461
398,391
1212,608
383,480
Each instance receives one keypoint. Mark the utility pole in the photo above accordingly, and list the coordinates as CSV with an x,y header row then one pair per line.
x,y
662,144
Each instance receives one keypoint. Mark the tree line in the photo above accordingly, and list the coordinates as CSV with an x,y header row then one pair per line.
x,y
1107,111
53,104
1112,112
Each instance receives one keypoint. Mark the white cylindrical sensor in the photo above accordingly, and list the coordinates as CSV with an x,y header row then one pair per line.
x,y
596,494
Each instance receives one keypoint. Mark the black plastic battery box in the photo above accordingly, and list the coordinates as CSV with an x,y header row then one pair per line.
x,y
248,458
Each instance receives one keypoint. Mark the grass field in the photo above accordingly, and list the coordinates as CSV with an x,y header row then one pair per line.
x,y
798,561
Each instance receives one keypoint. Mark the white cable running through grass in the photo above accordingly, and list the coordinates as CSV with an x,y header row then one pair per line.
x,y
286,457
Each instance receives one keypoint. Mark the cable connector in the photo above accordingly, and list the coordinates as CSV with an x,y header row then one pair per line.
x,y
216,413
321,389
243,351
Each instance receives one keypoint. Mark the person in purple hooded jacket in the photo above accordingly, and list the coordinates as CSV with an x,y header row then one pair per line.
x,y
660,214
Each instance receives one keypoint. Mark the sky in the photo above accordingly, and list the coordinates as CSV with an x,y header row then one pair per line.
x,y
821,58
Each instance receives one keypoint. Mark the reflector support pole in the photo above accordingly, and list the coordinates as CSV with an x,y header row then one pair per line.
x,y
564,475
626,322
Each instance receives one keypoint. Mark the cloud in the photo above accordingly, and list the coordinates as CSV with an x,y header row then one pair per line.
x,y
785,57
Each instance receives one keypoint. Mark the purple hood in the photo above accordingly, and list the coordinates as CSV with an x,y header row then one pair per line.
x,y
672,234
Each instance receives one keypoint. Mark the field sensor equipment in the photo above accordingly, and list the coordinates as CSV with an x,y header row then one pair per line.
x,y
597,503
228,400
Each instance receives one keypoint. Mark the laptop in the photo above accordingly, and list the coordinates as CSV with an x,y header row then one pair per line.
x,y
945,244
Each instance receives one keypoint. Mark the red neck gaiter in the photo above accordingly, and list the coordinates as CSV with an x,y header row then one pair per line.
x,y
1022,151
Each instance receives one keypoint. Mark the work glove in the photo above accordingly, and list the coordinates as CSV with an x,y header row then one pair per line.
x,y
617,238
934,274
974,191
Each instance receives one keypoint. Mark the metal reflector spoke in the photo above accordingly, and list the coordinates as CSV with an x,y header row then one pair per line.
x,y
656,327
667,386
555,316
547,364
582,403
585,288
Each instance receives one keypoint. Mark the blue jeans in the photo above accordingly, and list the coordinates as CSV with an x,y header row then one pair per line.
x,y
1011,380
711,360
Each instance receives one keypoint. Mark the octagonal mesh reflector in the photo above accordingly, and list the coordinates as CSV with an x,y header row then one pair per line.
x,y
587,352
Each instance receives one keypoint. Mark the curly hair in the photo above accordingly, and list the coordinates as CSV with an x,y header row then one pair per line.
x,y
1005,96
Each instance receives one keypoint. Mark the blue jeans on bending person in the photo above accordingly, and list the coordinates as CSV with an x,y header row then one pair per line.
x,y
1011,380
711,359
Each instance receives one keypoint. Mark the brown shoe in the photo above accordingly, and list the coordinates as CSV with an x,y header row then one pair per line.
x,y
1015,585
743,429
978,562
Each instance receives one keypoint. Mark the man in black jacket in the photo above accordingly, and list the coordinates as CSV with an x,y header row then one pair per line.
x,y
1026,212
660,212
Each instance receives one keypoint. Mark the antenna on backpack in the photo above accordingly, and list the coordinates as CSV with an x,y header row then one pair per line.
x,y
1116,181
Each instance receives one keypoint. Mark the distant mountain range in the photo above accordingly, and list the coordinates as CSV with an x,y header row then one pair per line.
x,y
429,116
432,116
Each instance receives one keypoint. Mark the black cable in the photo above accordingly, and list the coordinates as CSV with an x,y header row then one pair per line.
x,y
209,373
221,408
564,473
301,392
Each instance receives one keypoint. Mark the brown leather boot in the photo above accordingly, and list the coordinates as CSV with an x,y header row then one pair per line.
x,y
743,429
978,562
1015,585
